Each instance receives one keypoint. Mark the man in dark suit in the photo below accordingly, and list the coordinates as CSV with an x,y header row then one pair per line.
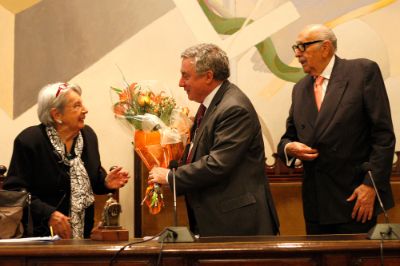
x,y
352,127
223,178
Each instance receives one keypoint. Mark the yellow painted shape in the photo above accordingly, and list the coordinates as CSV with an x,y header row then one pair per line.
x,y
7,22
359,12
16,6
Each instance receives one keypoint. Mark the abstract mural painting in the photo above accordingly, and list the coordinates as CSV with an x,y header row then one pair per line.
x,y
44,41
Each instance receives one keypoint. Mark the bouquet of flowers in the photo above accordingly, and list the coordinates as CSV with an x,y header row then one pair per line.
x,y
161,129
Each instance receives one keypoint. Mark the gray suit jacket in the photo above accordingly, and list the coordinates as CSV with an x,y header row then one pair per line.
x,y
353,126
225,184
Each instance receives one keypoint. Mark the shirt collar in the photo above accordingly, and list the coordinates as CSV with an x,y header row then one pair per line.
x,y
209,97
328,69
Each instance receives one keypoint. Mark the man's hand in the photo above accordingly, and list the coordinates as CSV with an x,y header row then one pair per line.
x,y
158,175
364,207
301,151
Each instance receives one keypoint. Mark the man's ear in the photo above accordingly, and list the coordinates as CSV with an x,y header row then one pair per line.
x,y
209,76
327,47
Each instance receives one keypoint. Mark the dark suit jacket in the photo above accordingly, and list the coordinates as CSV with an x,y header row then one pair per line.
x,y
36,167
353,126
225,185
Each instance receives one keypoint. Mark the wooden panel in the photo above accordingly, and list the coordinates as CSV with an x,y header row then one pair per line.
x,y
101,261
288,203
394,213
154,224
12,262
388,261
259,262
285,186
332,250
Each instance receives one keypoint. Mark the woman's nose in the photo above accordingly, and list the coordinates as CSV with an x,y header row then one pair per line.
x,y
181,83
85,110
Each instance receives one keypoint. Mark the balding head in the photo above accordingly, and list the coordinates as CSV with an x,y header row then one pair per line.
x,y
314,48
322,32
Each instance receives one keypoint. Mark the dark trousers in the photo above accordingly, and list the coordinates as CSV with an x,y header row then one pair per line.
x,y
352,227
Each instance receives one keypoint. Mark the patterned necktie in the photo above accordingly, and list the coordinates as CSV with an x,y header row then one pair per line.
x,y
199,116
318,91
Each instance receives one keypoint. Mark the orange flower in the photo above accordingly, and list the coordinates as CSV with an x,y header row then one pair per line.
x,y
132,88
124,96
119,109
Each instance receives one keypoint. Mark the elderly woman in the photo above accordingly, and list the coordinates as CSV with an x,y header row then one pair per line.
x,y
58,162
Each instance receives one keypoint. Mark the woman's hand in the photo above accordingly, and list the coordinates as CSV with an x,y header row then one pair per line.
x,y
116,178
60,225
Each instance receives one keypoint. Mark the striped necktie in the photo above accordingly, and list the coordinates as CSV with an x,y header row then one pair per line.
x,y
199,116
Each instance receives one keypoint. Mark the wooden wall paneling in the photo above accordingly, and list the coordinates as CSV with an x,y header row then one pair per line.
x,y
287,197
147,224
285,184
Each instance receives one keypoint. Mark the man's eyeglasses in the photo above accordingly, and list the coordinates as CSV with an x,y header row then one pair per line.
x,y
303,46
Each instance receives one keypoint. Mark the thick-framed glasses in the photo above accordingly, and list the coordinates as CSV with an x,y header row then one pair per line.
x,y
303,46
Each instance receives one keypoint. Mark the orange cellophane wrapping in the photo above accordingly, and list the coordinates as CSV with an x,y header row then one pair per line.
x,y
152,153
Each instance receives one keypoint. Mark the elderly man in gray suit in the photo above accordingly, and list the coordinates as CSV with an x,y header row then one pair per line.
x,y
222,175
339,121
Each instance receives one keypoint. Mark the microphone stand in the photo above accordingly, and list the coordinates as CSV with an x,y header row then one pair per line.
x,y
385,231
174,188
175,233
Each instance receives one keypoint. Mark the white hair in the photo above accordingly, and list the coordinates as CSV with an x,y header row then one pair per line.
x,y
324,33
54,96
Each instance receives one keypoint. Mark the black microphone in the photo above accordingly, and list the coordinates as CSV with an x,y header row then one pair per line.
x,y
386,230
173,165
175,233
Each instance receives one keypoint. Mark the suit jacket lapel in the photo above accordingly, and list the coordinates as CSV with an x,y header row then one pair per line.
x,y
334,93
210,110
309,100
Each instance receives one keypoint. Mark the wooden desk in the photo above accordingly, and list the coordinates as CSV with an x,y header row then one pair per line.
x,y
253,251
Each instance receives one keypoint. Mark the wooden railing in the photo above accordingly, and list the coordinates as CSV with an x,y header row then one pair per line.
x,y
278,169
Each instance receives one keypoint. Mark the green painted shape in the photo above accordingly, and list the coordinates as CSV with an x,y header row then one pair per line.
x,y
266,48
